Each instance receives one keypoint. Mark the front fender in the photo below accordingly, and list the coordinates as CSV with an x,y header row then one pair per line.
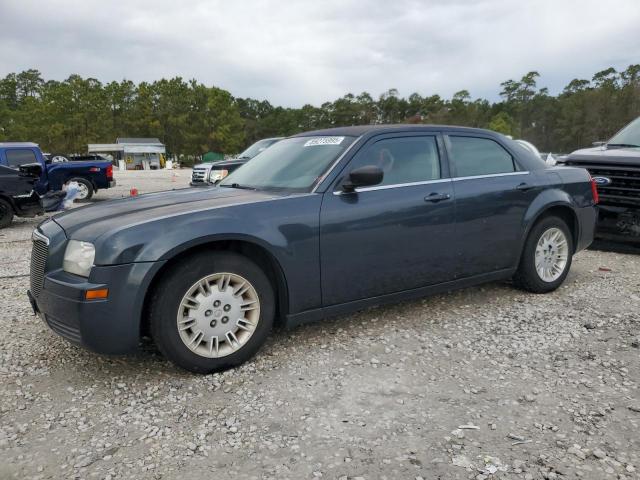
x,y
162,239
287,229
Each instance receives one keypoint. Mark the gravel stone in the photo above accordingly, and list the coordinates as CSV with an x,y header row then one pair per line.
x,y
372,395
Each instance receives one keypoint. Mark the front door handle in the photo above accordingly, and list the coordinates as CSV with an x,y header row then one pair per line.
x,y
437,197
523,187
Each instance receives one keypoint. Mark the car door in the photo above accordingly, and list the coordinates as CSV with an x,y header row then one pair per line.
x,y
393,236
492,195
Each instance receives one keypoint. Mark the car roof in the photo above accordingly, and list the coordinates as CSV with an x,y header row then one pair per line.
x,y
359,130
18,144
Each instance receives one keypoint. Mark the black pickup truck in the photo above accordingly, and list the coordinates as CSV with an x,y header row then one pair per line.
x,y
615,168
17,192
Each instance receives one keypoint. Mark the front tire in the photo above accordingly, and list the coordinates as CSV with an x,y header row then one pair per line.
x,y
6,213
212,312
546,257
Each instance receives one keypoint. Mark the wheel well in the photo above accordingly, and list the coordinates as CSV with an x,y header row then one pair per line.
x,y
86,179
258,254
566,214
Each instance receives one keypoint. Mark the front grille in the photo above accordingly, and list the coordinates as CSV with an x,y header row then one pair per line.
x,y
64,329
624,188
198,175
39,253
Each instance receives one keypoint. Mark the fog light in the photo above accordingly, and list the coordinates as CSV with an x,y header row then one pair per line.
x,y
99,294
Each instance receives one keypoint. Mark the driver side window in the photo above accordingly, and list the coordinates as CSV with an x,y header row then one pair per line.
x,y
402,159
17,157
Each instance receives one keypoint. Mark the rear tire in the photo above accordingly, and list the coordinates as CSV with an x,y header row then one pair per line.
x,y
86,189
546,257
6,213
211,312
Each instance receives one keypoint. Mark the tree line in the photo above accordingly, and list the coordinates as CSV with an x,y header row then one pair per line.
x,y
191,118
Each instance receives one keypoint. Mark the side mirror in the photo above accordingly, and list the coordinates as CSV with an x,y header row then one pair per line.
x,y
598,144
31,169
363,177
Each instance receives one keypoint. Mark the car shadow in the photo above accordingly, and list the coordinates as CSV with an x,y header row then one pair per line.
x,y
615,247
148,360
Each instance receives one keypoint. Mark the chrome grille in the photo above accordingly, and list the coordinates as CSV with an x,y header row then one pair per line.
x,y
624,188
39,253
198,175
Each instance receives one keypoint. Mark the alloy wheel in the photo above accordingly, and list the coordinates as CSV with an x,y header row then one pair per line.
x,y
552,253
83,191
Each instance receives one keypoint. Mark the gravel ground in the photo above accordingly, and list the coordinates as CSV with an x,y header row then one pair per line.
x,y
483,383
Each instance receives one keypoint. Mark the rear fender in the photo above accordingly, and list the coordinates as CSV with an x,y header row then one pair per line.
x,y
545,201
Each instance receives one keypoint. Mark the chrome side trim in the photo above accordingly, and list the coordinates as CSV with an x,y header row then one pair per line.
x,y
335,163
491,175
36,235
395,185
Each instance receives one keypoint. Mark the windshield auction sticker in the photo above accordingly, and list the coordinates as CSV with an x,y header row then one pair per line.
x,y
314,142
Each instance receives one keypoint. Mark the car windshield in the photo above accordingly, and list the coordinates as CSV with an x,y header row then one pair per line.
x,y
629,136
293,164
257,147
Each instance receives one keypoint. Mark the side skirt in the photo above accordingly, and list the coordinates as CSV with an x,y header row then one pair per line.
x,y
293,320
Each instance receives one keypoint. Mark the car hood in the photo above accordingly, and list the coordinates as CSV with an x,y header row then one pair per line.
x,y
622,156
222,164
90,222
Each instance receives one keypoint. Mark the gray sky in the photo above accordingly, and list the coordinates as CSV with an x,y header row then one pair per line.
x,y
292,52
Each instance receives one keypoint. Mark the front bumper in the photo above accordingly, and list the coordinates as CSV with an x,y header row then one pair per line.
x,y
200,184
112,183
110,326
619,224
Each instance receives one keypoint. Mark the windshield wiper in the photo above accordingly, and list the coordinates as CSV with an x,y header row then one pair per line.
x,y
237,185
622,145
243,157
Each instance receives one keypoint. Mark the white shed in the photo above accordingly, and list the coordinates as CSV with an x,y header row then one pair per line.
x,y
134,153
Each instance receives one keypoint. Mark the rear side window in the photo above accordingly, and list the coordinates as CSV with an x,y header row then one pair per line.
x,y
479,156
17,157
403,160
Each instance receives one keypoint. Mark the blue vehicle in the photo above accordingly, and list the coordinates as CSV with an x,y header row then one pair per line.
x,y
91,176
319,224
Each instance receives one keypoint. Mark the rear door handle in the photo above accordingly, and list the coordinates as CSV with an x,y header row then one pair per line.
x,y
523,187
437,197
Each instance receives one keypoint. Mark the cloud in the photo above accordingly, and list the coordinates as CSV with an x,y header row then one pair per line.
x,y
297,52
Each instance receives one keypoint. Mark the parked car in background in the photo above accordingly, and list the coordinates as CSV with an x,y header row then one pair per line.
x,y
319,224
212,173
18,196
615,168
91,176
61,158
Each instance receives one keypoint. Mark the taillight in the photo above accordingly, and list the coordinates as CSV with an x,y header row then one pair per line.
x,y
110,172
594,191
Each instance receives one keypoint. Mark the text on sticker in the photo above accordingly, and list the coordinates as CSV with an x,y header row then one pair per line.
x,y
323,141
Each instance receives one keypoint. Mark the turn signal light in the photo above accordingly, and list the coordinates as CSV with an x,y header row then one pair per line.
x,y
100,294
594,191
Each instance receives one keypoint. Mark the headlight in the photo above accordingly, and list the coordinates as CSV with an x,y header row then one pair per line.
x,y
217,175
78,258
